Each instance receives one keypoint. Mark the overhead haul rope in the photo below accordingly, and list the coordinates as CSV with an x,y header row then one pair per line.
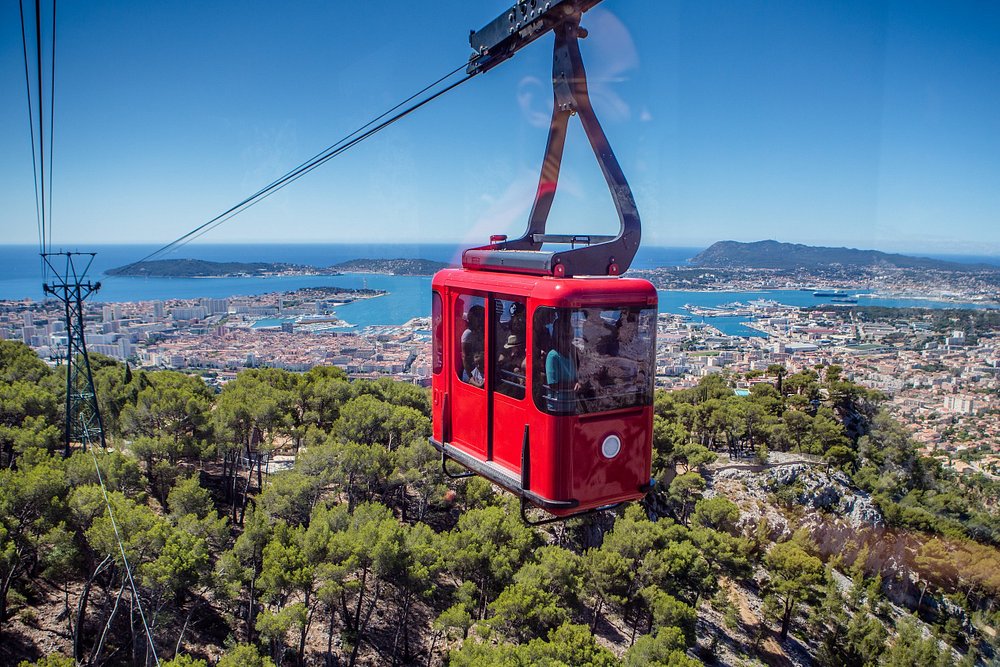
x,y
41,113
39,221
52,110
332,151
42,176
44,224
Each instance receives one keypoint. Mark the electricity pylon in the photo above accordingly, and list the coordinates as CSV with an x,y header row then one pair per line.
x,y
83,416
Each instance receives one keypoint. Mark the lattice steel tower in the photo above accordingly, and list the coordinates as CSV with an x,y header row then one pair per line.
x,y
83,416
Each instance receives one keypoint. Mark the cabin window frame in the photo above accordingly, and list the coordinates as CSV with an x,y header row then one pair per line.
x,y
600,365
463,352
507,379
437,332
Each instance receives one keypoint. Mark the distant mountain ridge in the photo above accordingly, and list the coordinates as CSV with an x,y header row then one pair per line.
x,y
776,255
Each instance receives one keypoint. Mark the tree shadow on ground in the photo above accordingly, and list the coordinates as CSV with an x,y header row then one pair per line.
x,y
15,647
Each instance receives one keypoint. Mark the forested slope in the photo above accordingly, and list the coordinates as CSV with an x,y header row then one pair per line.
x,y
362,553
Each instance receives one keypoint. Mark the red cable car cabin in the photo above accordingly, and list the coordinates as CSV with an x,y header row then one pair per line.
x,y
543,379
544,385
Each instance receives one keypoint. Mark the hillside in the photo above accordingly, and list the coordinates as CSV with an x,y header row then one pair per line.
x,y
839,546
397,267
789,256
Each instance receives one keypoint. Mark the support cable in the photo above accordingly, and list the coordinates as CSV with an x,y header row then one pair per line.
x,y
128,570
41,109
31,126
52,109
41,175
304,171
332,151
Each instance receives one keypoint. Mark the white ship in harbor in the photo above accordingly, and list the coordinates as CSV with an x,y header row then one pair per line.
x,y
734,309
766,304
725,310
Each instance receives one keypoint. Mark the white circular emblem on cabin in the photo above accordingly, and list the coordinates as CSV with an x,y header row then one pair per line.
x,y
611,446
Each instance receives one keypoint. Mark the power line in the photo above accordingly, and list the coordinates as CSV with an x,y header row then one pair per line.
x,y
332,151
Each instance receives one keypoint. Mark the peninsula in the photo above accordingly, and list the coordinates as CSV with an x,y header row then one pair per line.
x,y
198,268
396,267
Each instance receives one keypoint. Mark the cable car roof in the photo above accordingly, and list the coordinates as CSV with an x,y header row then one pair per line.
x,y
590,290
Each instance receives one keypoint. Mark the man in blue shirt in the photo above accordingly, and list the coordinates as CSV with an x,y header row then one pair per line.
x,y
560,369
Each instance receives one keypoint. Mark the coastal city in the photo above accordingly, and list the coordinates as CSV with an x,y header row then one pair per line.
x,y
940,373
965,287
943,385
567,333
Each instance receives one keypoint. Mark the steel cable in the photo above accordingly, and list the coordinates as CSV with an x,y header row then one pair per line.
x,y
368,129
31,126
41,110
128,569
52,110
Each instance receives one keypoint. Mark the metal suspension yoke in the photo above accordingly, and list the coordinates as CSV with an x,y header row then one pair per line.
x,y
586,254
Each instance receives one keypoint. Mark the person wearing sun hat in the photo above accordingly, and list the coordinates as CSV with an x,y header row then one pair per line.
x,y
513,365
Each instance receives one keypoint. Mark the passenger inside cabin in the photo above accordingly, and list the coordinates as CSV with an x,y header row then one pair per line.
x,y
592,359
476,377
623,365
560,369
473,340
518,319
543,320
597,335
513,365
630,345
597,340
544,340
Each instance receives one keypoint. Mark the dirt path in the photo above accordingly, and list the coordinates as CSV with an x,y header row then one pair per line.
x,y
770,650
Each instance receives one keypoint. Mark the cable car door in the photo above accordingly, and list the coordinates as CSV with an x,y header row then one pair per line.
x,y
508,385
469,407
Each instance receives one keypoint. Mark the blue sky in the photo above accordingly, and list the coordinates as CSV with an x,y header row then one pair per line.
x,y
867,124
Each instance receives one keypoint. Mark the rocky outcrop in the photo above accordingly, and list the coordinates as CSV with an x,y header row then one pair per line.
x,y
828,491
743,488
830,506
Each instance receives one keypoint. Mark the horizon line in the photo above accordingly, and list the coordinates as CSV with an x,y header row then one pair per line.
x,y
979,253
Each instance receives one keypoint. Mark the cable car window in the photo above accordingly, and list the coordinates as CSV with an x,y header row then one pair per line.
x,y
470,349
510,362
594,359
437,334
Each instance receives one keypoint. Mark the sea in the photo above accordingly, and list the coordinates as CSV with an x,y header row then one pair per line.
x,y
21,277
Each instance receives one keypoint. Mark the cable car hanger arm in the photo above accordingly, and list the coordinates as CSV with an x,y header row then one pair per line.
x,y
597,255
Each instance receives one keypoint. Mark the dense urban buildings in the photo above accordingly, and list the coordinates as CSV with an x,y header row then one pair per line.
x,y
943,384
